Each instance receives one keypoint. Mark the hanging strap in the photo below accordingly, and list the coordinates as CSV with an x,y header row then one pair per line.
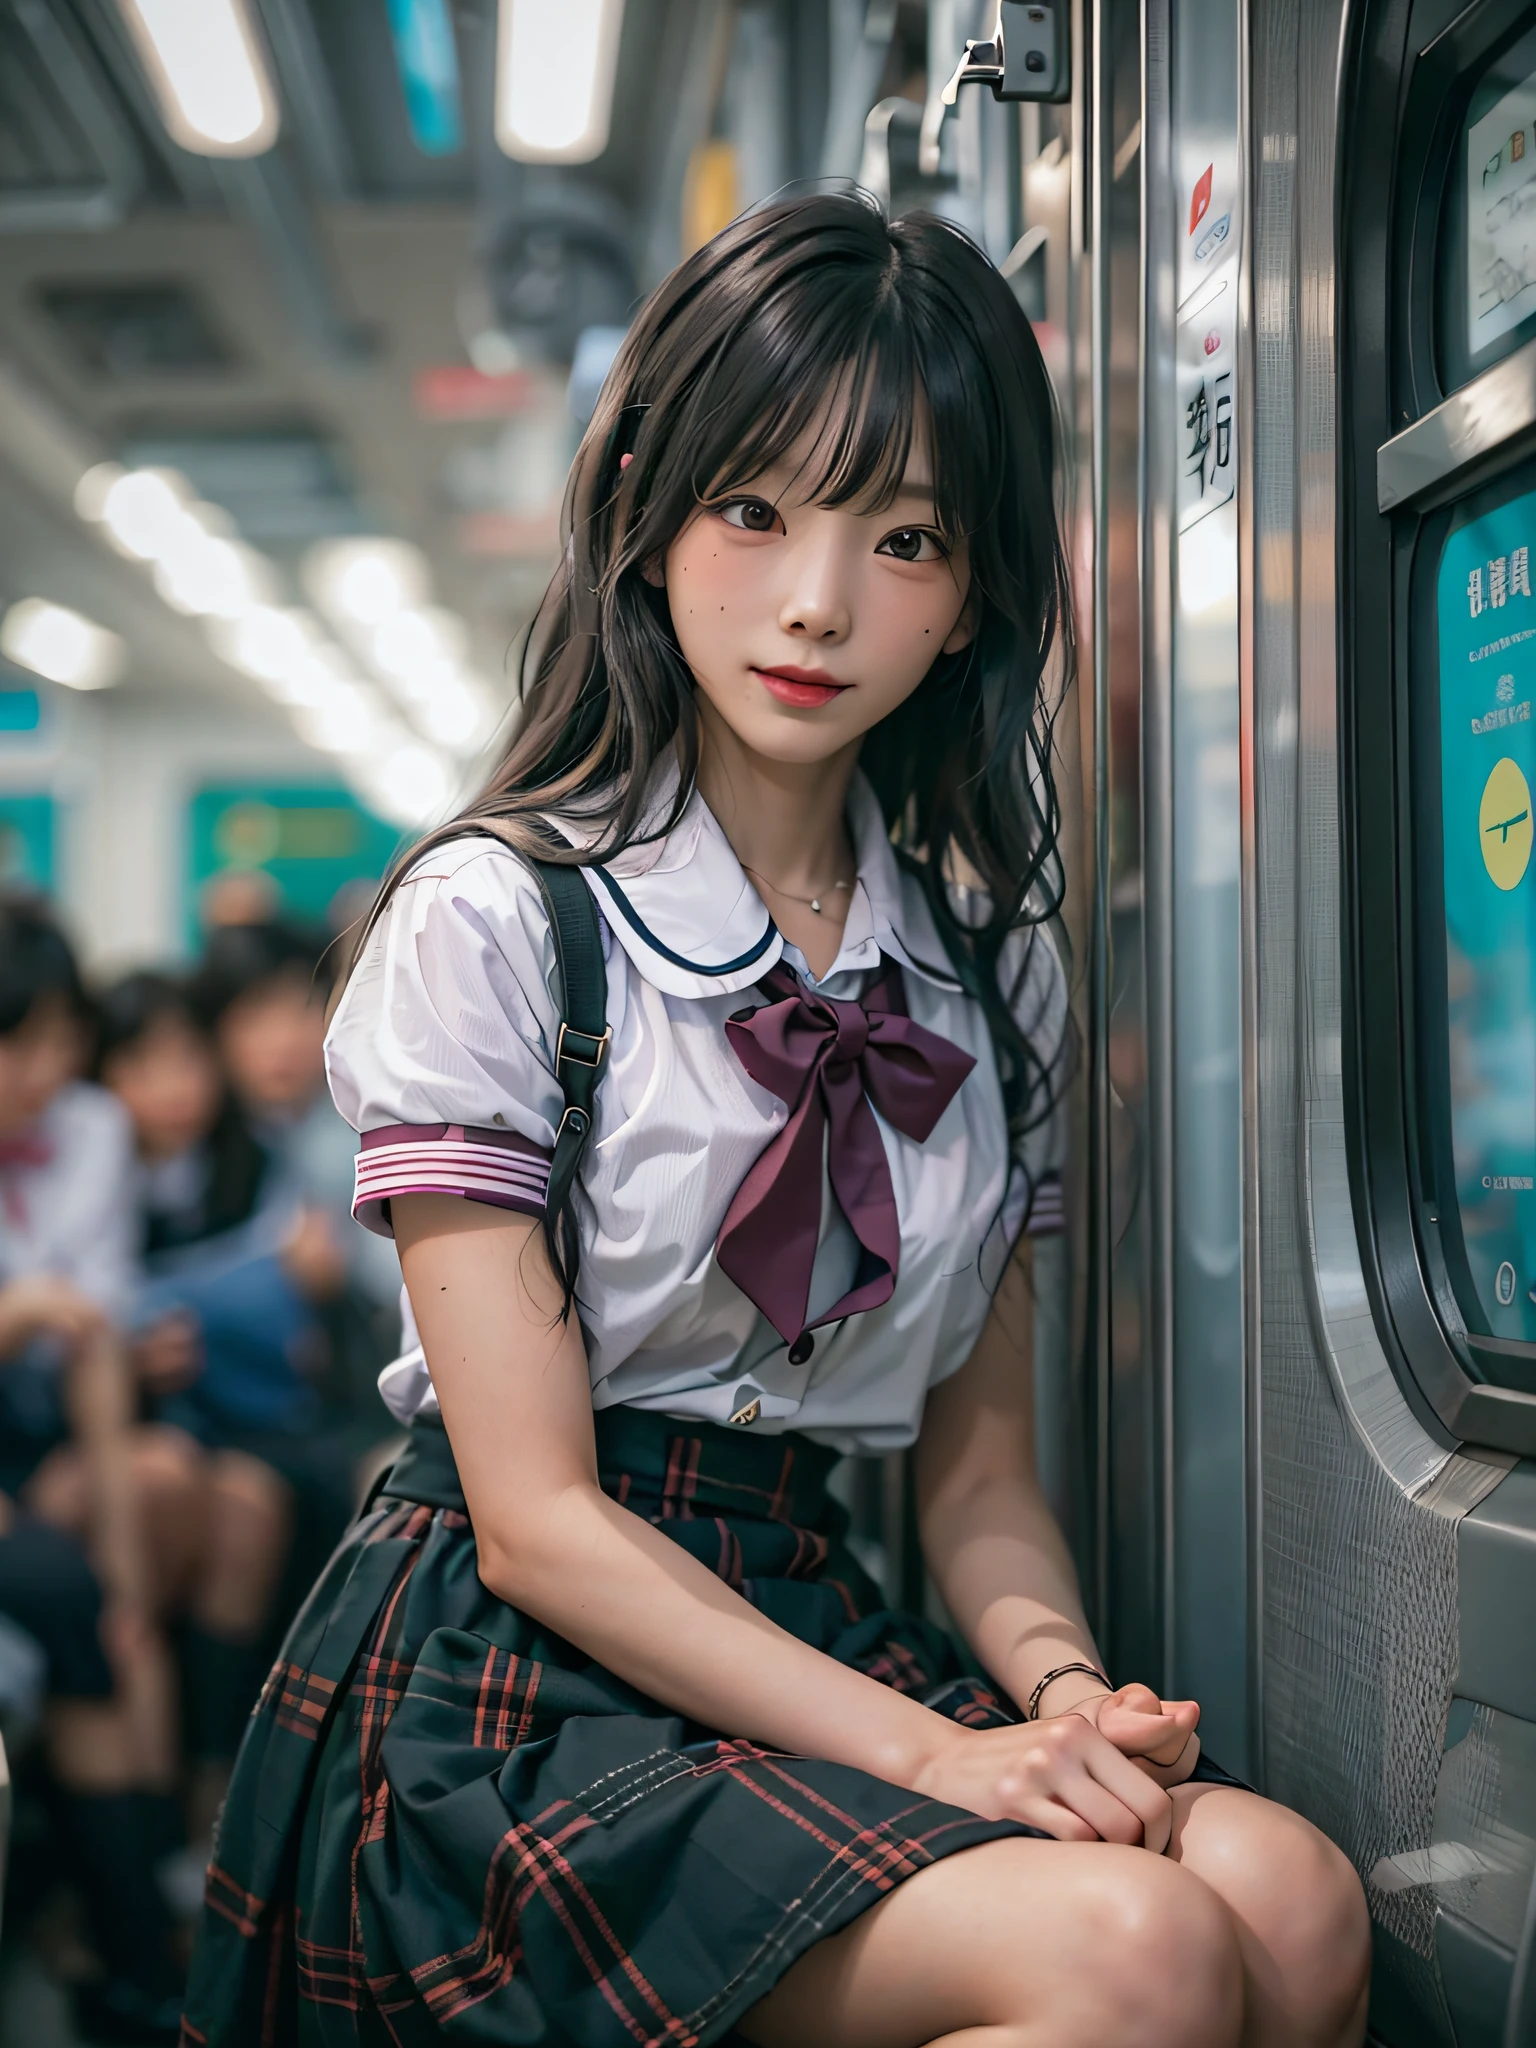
x,y
581,1045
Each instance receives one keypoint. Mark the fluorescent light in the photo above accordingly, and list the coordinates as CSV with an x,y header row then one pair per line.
x,y
345,721
55,642
93,489
416,643
143,509
209,73
364,582
209,576
454,711
554,78
411,786
267,643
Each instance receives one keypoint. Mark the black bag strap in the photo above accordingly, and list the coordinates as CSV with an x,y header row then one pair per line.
x,y
582,1038
581,1045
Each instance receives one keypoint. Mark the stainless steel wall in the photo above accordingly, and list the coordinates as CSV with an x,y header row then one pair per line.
x,y
1355,1558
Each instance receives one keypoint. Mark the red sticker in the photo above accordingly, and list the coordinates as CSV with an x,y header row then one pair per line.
x,y
1200,202
1212,342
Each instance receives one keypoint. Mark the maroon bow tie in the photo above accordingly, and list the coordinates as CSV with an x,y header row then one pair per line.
x,y
25,1148
829,1061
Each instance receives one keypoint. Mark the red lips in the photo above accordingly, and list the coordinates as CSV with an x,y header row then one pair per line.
x,y
803,689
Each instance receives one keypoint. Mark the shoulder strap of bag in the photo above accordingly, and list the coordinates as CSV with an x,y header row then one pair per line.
x,y
581,1046
583,1036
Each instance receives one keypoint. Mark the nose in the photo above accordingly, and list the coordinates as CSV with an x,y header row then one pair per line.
x,y
815,605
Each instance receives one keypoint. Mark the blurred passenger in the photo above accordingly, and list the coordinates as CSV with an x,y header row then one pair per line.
x,y
237,896
100,1521
223,1333
263,988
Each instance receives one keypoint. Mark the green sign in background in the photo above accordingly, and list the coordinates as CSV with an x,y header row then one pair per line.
x,y
27,841
1487,645
310,840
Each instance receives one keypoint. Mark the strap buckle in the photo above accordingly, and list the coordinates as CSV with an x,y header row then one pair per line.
x,y
594,1059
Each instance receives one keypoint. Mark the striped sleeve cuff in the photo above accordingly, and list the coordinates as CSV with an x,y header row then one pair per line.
x,y
1046,1215
496,1167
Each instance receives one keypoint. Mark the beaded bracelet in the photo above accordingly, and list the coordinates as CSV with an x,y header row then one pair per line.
x,y
1032,1711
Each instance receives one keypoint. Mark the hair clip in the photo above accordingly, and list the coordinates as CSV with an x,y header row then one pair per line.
x,y
625,461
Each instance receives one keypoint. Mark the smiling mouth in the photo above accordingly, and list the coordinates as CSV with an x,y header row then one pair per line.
x,y
804,689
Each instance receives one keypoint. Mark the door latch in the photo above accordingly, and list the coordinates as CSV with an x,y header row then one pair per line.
x,y
1028,55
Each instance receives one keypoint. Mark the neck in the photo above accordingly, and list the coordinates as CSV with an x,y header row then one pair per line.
x,y
783,818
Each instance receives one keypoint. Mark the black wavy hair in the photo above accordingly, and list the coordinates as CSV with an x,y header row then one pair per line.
x,y
36,961
127,1012
817,316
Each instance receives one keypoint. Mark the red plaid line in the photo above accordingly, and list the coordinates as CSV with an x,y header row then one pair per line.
x,y
232,1902
728,1564
538,1864
682,1480
899,1669
504,1703
296,1699
331,1976
190,2036
874,1855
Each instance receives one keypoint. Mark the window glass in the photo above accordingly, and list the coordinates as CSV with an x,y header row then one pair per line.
x,y
1501,217
1486,623
1487,266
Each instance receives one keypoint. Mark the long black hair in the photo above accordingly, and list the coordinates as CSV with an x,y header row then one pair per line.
x,y
817,316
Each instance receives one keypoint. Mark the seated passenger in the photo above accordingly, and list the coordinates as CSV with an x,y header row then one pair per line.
x,y
595,1731
99,1520
223,1330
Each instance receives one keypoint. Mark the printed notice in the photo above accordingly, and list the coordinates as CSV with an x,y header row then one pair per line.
x,y
1501,217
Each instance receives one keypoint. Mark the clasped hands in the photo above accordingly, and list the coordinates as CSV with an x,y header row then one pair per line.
x,y
1100,1771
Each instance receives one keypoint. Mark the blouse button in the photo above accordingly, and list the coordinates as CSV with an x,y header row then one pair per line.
x,y
801,1349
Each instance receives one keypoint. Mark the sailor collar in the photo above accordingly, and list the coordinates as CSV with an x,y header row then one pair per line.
x,y
685,912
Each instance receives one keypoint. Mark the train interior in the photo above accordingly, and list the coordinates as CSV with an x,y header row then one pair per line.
x,y
303,306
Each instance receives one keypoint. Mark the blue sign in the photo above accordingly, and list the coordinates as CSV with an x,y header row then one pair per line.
x,y
1487,635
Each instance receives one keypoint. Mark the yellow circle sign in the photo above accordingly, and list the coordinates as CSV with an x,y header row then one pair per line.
x,y
1504,824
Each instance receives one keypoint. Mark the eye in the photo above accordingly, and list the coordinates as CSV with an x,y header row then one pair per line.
x,y
751,515
913,544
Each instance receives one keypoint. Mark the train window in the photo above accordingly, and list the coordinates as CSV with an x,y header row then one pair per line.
x,y
1479,996
1488,252
1439,702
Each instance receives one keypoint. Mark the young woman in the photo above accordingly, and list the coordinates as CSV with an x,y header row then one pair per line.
x,y
595,1732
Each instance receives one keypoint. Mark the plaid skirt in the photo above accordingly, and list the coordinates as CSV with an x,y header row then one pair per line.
x,y
445,1820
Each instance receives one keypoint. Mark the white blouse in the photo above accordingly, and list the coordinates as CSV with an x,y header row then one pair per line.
x,y
441,1053
66,1197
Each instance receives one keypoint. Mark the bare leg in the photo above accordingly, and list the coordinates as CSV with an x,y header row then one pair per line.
x,y
1301,1917
250,1519
170,1494
1021,1944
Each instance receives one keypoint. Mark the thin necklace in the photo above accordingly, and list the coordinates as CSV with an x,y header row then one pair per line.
x,y
811,902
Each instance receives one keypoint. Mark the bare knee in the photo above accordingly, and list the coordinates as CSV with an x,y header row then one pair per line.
x,y
1161,1960
249,1525
249,1498
1302,1917
1320,1938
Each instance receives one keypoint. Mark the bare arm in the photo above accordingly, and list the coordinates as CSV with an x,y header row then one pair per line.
x,y
993,1545
516,1400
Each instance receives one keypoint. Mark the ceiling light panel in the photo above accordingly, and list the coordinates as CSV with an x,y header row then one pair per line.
x,y
555,68
209,74
61,645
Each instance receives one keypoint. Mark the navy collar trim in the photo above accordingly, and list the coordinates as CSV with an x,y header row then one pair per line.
x,y
636,924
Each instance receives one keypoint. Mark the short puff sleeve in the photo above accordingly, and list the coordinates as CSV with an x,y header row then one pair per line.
x,y
441,1051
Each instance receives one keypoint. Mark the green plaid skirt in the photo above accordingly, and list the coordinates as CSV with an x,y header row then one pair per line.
x,y
446,1821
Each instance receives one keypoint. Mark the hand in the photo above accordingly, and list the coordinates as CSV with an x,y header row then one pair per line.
x,y
169,1354
312,1258
1158,1734
1060,1775
43,1305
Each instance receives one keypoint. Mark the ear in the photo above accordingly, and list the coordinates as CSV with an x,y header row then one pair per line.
x,y
964,629
653,572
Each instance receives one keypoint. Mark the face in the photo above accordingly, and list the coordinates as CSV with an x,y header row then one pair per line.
x,y
806,624
43,1054
272,1039
169,1082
